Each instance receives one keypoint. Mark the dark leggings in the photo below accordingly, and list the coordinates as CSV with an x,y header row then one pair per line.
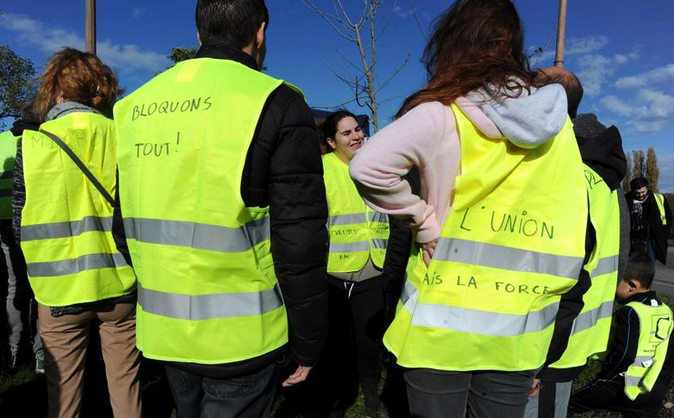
x,y
356,330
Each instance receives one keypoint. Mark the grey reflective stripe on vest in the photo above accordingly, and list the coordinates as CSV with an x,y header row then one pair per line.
x,y
214,306
507,258
587,320
632,380
408,291
606,265
347,219
349,247
378,217
474,321
66,229
380,243
4,175
75,265
197,235
640,360
5,192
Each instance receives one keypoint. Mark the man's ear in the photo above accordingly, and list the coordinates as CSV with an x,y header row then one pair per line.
x,y
199,38
260,35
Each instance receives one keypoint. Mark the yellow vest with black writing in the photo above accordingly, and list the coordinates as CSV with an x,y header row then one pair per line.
x,y
207,289
66,223
591,329
7,155
660,201
655,329
356,231
511,245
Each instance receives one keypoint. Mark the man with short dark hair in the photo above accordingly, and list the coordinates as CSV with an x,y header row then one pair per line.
x,y
221,190
651,220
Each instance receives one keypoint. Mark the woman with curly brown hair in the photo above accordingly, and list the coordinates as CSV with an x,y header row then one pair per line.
x,y
64,218
497,241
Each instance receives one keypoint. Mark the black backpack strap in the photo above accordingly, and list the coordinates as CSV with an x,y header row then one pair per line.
x,y
81,165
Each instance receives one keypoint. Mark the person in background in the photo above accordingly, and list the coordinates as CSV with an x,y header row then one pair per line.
x,y
651,219
21,311
366,263
583,321
639,363
77,274
226,222
484,282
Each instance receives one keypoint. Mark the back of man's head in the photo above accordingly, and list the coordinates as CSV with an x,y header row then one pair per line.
x,y
638,183
641,269
568,80
234,21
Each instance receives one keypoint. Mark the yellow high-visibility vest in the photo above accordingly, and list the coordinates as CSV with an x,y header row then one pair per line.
x,y
66,223
356,231
655,329
7,155
660,201
512,244
207,288
590,330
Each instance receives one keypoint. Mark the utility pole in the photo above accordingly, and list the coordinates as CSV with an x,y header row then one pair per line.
x,y
561,31
90,26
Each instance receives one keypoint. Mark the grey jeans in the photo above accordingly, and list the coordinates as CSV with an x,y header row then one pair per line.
x,y
483,394
20,307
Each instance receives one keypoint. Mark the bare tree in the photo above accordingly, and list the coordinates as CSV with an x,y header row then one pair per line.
x,y
360,74
652,170
628,175
638,163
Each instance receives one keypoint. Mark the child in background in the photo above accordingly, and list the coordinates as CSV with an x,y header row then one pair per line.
x,y
637,371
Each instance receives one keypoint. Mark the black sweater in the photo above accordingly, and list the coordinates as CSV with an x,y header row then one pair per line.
x,y
284,171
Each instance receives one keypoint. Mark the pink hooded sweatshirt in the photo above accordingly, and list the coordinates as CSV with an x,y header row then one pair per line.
x,y
426,137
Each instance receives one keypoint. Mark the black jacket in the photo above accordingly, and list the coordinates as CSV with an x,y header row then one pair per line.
x,y
603,153
657,232
284,171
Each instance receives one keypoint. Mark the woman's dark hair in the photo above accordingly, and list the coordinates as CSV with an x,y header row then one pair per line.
x,y
80,77
328,129
476,43
234,21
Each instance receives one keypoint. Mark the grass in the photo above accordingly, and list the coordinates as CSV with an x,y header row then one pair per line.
x,y
23,393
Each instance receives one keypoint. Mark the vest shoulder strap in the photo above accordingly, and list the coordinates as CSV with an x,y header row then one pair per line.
x,y
81,166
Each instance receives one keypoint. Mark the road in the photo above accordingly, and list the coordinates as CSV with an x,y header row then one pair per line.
x,y
664,275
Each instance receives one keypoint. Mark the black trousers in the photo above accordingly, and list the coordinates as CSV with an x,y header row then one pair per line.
x,y
610,396
354,347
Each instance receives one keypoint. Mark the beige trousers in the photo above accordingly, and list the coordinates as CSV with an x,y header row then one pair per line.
x,y
65,341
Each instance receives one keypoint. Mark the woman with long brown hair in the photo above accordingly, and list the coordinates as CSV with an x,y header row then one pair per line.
x,y
497,241
63,216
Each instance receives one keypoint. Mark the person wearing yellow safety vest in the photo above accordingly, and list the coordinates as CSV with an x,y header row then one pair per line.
x,y
485,280
359,272
583,321
223,215
67,169
639,363
20,317
651,220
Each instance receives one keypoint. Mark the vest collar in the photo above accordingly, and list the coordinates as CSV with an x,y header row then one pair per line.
x,y
224,50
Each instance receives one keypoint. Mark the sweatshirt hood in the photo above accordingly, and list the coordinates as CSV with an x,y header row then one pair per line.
x,y
601,149
528,120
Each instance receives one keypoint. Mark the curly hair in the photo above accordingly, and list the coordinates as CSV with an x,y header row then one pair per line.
x,y
79,77
475,44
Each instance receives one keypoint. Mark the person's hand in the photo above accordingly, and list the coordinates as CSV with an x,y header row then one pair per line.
x,y
299,376
536,386
428,249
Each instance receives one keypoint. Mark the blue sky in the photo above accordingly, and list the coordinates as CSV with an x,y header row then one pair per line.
x,y
622,51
